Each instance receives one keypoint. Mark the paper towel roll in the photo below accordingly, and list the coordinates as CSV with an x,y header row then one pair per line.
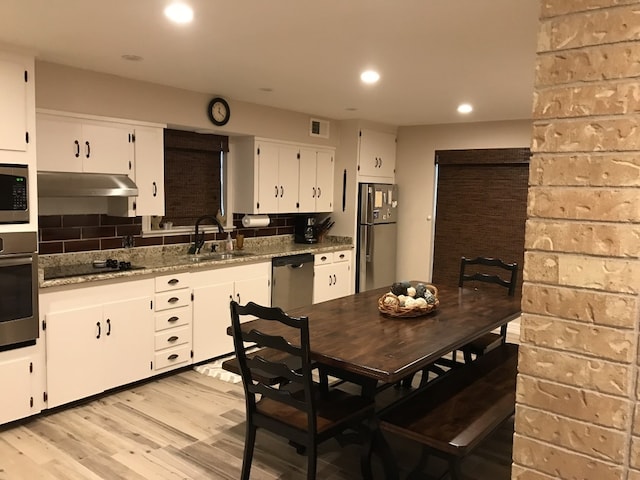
x,y
255,221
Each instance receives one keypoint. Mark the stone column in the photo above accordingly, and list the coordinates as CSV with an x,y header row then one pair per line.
x,y
577,397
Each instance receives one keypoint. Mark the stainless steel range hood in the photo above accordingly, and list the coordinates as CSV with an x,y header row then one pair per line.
x,y
64,184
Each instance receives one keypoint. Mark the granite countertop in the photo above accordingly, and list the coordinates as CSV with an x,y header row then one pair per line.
x,y
172,258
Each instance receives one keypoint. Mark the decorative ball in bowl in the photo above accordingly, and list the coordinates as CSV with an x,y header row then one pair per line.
x,y
406,300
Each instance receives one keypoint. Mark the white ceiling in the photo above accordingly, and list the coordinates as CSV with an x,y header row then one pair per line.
x,y
431,54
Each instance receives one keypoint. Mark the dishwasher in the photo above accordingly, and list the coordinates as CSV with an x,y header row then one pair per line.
x,y
292,281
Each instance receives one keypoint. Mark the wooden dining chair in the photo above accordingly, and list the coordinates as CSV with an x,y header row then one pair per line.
x,y
300,411
490,271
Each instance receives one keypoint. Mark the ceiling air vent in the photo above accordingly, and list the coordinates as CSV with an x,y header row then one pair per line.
x,y
319,128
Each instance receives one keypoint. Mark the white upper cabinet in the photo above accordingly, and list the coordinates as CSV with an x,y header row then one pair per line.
x,y
14,78
376,154
266,177
316,180
149,170
71,144
280,177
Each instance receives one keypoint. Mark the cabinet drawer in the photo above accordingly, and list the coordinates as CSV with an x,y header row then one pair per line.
x,y
173,318
323,258
342,256
173,281
173,299
173,337
172,357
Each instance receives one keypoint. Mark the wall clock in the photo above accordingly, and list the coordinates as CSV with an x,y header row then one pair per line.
x,y
219,111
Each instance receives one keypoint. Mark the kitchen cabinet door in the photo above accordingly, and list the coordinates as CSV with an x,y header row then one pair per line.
x,y
288,171
58,142
107,147
377,154
254,289
128,340
211,319
149,170
17,396
324,181
74,354
268,182
13,105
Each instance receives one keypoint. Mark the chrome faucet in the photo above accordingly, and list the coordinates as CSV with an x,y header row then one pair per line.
x,y
198,239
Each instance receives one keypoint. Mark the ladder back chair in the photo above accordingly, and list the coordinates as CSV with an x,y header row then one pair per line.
x,y
300,411
496,272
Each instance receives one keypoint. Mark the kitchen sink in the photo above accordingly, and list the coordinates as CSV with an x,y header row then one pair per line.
x,y
203,257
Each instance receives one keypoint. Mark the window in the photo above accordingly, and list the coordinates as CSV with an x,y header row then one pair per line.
x,y
194,176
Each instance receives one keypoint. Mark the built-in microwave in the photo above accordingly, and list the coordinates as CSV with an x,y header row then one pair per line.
x,y
14,193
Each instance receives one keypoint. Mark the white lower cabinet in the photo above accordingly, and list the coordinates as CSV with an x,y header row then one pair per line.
x,y
22,396
332,275
212,292
97,338
172,320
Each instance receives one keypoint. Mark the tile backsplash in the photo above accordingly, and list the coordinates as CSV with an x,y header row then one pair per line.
x,y
80,233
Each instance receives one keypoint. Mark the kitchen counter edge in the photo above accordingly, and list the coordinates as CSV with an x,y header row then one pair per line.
x,y
185,262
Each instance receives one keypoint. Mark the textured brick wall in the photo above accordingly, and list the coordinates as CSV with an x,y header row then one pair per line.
x,y
578,409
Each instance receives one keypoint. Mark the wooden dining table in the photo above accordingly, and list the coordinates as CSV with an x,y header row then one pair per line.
x,y
352,340
351,336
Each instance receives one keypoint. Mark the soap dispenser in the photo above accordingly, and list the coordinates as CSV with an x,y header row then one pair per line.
x,y
229,242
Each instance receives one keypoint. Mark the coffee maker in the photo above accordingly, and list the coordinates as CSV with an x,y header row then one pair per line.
x,y
305,230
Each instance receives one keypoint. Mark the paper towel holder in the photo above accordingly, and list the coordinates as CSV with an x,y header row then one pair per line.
x,y
255,221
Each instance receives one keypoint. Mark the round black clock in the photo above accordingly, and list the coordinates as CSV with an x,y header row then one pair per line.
x,y
219,111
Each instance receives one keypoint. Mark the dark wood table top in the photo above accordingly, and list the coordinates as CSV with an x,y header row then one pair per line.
x,y
350,334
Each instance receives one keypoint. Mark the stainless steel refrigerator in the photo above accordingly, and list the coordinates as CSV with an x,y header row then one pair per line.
x,y
377,243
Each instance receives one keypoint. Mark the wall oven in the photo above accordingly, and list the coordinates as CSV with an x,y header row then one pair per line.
x,y
14,196
18,289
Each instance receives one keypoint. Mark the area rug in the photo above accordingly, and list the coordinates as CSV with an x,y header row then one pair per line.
x,y
214,369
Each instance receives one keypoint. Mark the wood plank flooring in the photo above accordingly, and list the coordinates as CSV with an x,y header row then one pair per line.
x,y
187,426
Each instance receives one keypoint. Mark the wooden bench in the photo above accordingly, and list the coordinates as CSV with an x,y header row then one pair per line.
x,y
452,415
232,365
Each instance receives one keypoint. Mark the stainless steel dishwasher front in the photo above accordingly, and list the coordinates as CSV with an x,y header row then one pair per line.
x,y
292,281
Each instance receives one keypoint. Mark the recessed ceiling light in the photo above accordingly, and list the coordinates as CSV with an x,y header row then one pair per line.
x,y
179,12
369,76
132,58
465,108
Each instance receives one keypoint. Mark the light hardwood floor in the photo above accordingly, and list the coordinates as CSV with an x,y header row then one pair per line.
x,y
185,426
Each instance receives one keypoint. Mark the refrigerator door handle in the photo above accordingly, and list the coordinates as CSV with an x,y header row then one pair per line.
x,y
370,193
369,243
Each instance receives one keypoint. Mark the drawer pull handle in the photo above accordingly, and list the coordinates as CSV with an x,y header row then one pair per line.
x,y
99,330
172,338
108,325
173,300
173,356
342,255
173,281
323,258
173,319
